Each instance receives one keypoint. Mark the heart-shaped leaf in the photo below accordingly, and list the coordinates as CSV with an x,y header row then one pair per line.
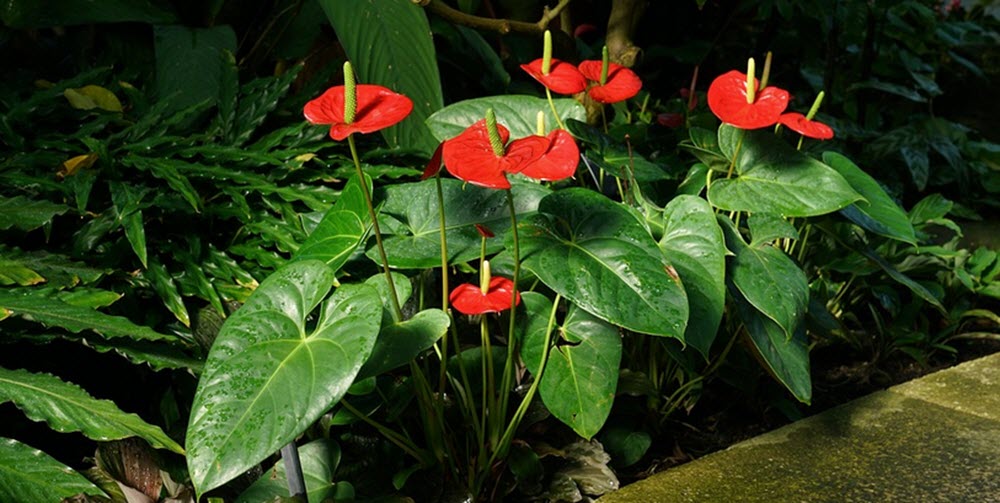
x,y
769,280
594,252
342,229
410,217
319,459
775,178
518,113
878,213
401,342
767,227
268,376
787,359
581,375
692,242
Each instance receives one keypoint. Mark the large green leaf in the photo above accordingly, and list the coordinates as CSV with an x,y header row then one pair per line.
x,y
768,279
190,63
49,13
518,113
319,459
596,254
410,217
342,229
787,359
398,343
28,475
269,376
878,213
692,242
581,375
389,43
39,306
772,177
27,214
65,407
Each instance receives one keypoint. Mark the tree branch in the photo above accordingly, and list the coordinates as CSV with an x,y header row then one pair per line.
x,y
501,26
622,23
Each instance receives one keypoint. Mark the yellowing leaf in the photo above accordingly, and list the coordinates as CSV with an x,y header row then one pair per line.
x,y
90,97
72,165
305,157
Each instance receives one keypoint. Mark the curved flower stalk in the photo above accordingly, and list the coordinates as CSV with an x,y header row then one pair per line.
x,y
365,108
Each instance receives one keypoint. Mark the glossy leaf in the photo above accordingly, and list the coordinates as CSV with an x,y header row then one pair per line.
x,y
166,288
581,375
168,170
319,458
878,213
613,157
20,268
775,178
389,43
42,308
268,376
410,219
126,199
28,475
401,342
915,287
596,254
27,214
704,144
342,229
693,243
787,359
65,407
518,113
768,280
767,227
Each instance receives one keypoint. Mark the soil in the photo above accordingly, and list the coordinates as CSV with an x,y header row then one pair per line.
x,y
724,417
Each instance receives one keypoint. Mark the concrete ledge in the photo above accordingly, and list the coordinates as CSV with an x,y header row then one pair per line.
x,y
933,439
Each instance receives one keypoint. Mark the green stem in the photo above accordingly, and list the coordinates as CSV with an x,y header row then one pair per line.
x,y
397,313
402,442
442,378
506,382
552,105
736,154
526,401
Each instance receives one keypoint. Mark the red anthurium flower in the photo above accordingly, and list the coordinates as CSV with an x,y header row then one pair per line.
x,y
470,299
378,108
559,161
806,127
470,156
620,85
670,120
727,97
563,77
433,165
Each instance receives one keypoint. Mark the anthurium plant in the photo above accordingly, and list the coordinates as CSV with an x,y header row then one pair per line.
x,y
351,291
